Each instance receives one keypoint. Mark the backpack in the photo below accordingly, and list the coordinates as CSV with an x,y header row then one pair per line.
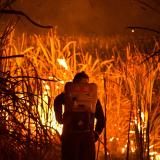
x,y
80,97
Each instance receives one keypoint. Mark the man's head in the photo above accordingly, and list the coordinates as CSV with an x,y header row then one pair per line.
x,y
81,77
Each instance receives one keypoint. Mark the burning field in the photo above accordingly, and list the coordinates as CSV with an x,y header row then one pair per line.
x,y
34,70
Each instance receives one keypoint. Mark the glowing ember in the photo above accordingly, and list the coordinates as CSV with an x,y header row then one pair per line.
x,y
132,30
123,150
132,132
111,139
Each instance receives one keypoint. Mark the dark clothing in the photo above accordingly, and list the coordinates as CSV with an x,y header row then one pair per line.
x,y
78,142
78,146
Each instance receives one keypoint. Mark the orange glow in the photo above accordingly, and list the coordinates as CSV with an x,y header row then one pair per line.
x,y
63,63
123,150
51,121
127,83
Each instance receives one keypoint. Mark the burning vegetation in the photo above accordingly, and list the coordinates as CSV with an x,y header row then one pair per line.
x,y
34,70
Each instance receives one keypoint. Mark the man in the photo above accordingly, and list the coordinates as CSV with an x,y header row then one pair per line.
x,y
81,107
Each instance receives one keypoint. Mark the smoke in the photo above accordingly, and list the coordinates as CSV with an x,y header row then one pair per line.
x,y
85,16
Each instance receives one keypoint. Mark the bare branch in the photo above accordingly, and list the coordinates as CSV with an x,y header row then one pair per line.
x,y
14,56
16,12
156,53
148,6
143,28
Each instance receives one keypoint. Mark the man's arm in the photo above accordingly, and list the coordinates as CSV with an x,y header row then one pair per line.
x,y
58,102
99,115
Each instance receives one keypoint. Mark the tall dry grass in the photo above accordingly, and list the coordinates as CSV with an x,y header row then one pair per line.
x,y
132,105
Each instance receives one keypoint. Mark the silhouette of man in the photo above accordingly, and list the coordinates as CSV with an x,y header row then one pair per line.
x,y
81,108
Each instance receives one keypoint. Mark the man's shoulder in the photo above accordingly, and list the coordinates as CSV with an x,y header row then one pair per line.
x,y
60,96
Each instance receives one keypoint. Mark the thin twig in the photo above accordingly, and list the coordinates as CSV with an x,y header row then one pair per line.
x,y
147,5
144,28
16,12
13,56
55,79
156,53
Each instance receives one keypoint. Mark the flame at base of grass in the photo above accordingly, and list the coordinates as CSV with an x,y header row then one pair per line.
x,y
58,127
50,119
47,114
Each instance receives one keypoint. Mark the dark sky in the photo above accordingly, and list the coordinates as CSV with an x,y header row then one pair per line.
x,y
88,16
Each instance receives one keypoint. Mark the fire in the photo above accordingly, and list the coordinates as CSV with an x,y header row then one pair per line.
x,y
123,88
157,157
63,63
51,120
